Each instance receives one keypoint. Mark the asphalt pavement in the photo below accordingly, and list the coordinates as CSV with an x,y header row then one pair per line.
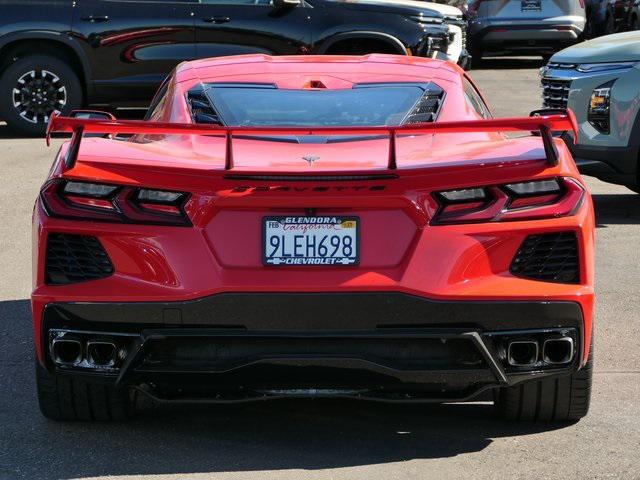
x,y
330,439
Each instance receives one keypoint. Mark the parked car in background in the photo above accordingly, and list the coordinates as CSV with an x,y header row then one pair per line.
x,y
596,15
634,16
66,54
618,14
524,26
599,80
454,18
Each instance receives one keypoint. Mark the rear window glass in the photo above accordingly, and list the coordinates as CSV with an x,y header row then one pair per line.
x,y
260,106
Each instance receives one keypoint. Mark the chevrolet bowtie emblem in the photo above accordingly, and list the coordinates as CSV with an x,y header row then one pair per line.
x,y
310,159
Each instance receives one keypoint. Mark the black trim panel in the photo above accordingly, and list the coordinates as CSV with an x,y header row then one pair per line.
x,y
323,311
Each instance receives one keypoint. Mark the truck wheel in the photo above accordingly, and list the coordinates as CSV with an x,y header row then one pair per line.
x,y
64,398
32,88
563,398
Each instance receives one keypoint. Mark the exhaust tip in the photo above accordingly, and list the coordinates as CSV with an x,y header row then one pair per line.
x,y
522,353
66,351
101,353
557,351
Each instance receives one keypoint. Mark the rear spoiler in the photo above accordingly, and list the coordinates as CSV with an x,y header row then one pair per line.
x,y
544,124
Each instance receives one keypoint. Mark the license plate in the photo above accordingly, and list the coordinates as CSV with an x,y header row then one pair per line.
x,y
311,241
531,5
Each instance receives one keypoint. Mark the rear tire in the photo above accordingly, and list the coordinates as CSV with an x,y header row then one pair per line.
x,y
556,399
32,88
64,398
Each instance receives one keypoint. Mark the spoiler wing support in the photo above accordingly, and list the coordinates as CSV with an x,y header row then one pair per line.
x,y
545,124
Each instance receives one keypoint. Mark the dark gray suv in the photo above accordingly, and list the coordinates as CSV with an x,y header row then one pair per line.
x,y
539,27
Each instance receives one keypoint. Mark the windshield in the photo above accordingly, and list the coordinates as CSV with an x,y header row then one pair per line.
x,y
367,106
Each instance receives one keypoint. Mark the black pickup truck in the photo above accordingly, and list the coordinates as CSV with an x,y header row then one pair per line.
x,y
59,55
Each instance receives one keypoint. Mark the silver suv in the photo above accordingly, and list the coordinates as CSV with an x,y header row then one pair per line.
x,y
599,81
524,26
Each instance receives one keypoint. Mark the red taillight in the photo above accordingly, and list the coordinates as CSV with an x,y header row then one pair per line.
x,y
516,201
114,203
582,3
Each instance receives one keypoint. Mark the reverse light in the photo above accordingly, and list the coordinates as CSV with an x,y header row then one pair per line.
x,y
96,190
535,187
599,107
113,203
466,195
549,198
158,196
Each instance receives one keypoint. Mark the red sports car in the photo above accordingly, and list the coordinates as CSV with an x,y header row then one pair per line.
x,y
314,227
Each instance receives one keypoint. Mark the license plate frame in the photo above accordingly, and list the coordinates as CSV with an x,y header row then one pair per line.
x,y
307,261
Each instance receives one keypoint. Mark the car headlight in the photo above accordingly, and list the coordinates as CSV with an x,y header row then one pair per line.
x,y
599,106
605,67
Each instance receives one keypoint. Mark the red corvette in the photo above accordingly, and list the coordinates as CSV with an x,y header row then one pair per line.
x,y
314,226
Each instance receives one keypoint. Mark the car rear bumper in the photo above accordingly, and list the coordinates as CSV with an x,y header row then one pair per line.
x,y
547,37
253,346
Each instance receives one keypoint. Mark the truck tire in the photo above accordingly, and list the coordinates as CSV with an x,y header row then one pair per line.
x,y
64,398
33,87
560,399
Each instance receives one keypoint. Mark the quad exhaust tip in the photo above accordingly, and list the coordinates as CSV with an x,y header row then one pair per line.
x,y
557,351
66,351
522,353
101,353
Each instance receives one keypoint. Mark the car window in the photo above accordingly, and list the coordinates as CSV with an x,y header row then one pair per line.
x,y
474,100
264,106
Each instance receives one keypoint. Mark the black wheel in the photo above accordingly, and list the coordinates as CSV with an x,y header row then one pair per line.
x,y
64,398
564,398
32,88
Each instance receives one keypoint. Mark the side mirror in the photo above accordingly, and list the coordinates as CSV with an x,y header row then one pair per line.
x,y
286,3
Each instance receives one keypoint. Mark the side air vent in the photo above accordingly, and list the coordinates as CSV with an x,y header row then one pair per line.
x,y
551,257
427,108
201,109
75,258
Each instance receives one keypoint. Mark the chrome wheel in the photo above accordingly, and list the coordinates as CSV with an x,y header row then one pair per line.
x,y
37,94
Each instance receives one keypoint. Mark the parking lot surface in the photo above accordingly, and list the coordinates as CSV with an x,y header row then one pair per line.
x,y
330,439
